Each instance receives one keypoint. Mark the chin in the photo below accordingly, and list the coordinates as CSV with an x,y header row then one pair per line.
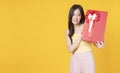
x,y
75,23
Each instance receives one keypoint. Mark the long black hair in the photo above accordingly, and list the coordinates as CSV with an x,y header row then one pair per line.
x,y
71,12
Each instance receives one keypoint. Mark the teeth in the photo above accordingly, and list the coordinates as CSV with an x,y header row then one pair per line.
x,y
75,21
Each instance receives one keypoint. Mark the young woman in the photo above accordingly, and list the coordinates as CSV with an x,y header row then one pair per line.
x,y
82,60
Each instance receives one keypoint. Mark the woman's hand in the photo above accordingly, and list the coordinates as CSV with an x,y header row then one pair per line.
x,y
99,44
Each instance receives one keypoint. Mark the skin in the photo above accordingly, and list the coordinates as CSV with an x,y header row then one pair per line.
x,y
78,29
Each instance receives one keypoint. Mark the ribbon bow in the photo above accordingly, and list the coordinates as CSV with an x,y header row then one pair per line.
x,y
91,17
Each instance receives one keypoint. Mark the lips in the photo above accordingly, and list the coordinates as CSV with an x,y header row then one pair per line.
x,y
75,20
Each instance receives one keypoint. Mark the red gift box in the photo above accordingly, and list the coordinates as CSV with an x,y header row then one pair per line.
x,y
94,27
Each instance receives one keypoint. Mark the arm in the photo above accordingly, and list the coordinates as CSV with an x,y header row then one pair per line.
x,y
72,47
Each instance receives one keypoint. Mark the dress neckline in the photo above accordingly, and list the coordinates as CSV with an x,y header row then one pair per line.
x,y
76,34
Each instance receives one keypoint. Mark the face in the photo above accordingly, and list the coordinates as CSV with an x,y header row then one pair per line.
x,y
76,17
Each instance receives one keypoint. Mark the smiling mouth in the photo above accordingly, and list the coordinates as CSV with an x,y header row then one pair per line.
x,y
75,20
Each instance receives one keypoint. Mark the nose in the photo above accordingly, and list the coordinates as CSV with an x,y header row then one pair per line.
x,y
76,17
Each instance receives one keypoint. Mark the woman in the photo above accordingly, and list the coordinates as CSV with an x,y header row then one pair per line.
x,y
82,60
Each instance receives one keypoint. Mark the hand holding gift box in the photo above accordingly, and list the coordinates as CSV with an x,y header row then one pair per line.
x,y
94,26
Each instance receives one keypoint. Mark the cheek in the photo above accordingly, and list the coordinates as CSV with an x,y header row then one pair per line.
x,y
76,17
79,17
73,17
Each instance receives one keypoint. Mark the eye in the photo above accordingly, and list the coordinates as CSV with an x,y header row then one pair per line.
x,y
79,14
73,14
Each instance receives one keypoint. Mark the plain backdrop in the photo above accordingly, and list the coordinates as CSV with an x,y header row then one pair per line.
x,y
32,36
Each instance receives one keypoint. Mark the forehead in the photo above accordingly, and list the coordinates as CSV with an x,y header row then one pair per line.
x,y
76,11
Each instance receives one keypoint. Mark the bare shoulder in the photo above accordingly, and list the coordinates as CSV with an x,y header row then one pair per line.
x,y
67,32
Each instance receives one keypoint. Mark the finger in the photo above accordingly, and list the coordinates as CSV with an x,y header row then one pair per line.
x,y
98,43
101,45
102,42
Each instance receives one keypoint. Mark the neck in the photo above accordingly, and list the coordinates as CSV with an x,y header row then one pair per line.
x,y
77,28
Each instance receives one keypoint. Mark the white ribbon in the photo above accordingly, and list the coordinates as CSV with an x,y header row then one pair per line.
x,y
91,19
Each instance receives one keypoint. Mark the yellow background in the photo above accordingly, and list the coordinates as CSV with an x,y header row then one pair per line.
x,y
32,36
